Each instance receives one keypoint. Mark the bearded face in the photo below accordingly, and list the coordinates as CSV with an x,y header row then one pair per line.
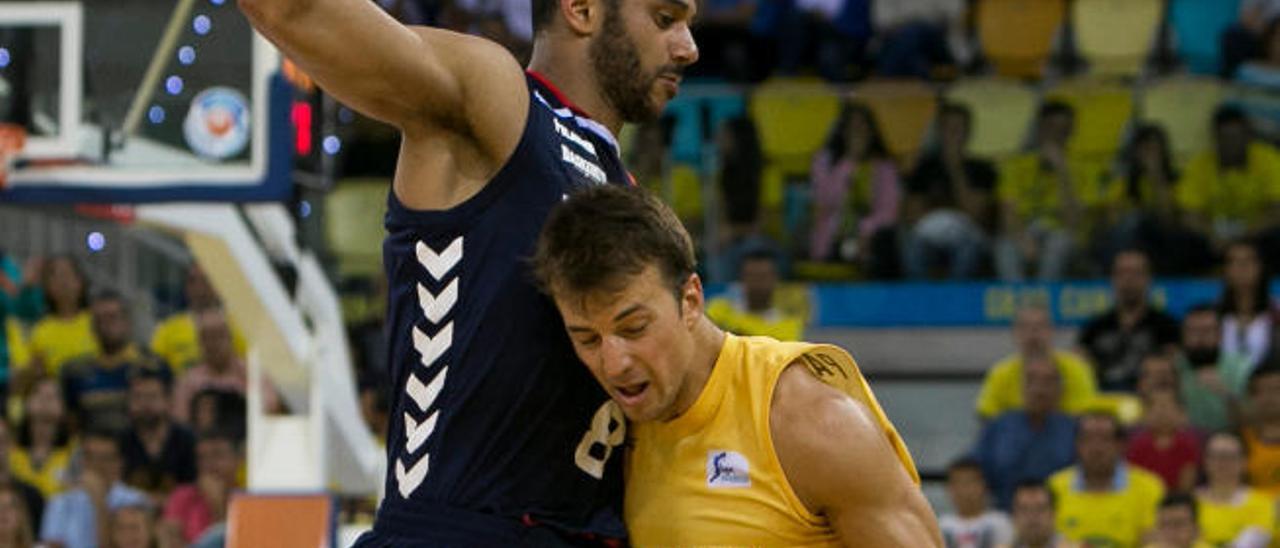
x,y
623,80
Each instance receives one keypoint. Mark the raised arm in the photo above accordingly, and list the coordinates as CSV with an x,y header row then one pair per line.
x,y
841,465
415,78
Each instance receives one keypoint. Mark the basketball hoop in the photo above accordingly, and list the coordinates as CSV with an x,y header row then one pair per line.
x,y
13,138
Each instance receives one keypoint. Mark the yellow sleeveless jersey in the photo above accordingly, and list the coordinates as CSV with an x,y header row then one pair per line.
x,y
711,476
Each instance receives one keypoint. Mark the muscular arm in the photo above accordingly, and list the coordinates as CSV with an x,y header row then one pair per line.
x,y
842,466
417,79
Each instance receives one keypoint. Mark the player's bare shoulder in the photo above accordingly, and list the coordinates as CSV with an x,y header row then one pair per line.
x,y
489,99
452,150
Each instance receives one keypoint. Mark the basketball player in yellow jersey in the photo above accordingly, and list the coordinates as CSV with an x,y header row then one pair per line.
x,y
742,441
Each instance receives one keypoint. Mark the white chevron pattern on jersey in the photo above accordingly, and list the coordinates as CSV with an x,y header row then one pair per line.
x,y
434,309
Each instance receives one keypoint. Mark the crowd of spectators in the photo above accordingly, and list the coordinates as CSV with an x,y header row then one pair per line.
x,y
110,437
1149,431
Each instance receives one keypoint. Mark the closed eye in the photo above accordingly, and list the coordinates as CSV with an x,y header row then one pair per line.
x,y
634,331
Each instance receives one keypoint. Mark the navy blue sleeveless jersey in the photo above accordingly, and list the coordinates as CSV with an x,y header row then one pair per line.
x,y
495,424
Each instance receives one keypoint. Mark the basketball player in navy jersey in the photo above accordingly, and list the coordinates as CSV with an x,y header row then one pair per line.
x,y
498,436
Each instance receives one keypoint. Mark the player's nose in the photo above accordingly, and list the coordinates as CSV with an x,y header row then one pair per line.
x,y
684,50
615,358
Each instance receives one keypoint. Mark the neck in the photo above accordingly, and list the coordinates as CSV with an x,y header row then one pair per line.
x,y
1222,490
1037,418
114,350
562,66
1035,543
1099,480
969,513
155,430
709,341
758,305
43,434
1244,304
65,310
1131,312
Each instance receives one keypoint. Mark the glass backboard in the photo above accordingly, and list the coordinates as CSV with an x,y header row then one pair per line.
x,y
139,100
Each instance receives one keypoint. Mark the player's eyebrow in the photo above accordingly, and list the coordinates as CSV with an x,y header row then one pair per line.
x,y
629,311
683,6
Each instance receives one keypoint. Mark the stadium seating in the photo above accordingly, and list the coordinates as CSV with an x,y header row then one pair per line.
x,y
1115,36
353,225
793,118
1102,111
1002,112
1197,27
1183,106
1017,36
905,110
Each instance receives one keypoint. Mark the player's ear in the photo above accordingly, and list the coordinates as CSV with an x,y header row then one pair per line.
x,y
691,300
584,17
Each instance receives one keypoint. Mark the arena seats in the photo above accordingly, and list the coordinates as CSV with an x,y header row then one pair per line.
x,y
1183,106
1103,112
1115,36
1016,36
1197,27
1002,112
905,110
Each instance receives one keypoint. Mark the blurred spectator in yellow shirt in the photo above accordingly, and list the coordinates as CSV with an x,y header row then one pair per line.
x,y
1232,189
174,339
66,330
751,307
1101,500
1045,198
1033,336
1231,513
1176,525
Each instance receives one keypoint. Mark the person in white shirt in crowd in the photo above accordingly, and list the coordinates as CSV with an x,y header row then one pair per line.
x,y
974,524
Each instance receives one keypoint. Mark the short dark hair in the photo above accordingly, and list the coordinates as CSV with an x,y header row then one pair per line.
x,y
1054,107
1131,250
102,434
1035,485
1229,114
966,462
1120,433
150,373
1270,365
600,237
1174,500
543,11
758,254
220,433
82,300
1202,308
108,295
947,108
